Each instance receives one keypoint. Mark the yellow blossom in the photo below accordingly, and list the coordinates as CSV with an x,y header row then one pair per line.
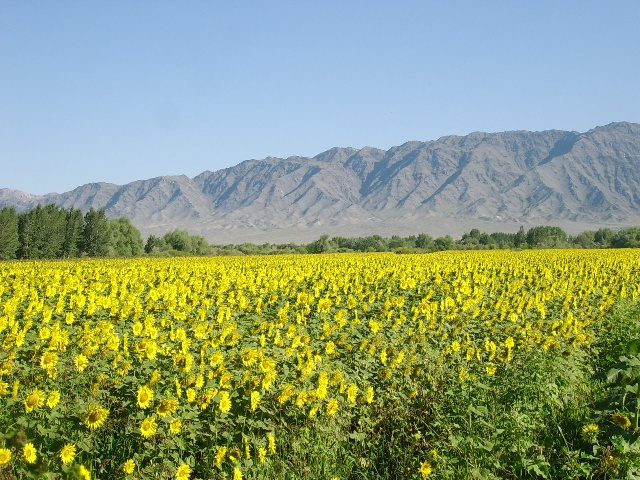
x,y
425,469
272,443
34,400
332,407
68,453
129,466
145,397
183,472
175,426
53,398
30,453
5,456
148,427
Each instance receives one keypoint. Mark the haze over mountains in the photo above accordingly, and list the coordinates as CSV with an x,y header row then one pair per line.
x,y
490,181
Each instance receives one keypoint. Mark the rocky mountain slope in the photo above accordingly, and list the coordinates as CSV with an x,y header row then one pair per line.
x,y
491,181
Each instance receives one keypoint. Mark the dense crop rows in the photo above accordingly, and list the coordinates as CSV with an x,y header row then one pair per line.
x,y
196,368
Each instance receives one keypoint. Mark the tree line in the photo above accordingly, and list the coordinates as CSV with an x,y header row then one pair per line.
x,y
56,233
53,232
535,237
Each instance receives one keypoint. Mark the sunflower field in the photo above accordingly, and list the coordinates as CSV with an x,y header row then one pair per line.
x,y
448,365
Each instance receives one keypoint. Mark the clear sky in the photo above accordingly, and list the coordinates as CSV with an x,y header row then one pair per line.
x,y
123,90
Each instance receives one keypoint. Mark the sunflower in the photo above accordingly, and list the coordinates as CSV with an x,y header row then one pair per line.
x,y
34,400
155,377
84,473
621,420
237,473
369,395
30,453
425,469
352,391
68,453
145,397
272,442
183,472
220,454
332,407
94,416
81,362
255,400
5,456
53,399
148,427
590,433
262,454
129,466
167,407
48,360
225,402
175,426
191,394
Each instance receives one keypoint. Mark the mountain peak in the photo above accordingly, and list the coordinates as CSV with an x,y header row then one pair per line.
x,y
492,181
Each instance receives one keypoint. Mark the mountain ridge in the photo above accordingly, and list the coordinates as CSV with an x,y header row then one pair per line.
x,y
495,181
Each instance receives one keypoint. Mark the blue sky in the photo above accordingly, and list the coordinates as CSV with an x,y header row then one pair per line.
x,y
123,90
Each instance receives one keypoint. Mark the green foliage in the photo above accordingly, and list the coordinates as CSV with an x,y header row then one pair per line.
x,y
546,237
42,232
180,241
96,233
152,244
72,246
9,240
125,239
627,238
322,245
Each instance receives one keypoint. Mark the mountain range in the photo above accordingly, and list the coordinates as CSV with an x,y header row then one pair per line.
x,y
491,181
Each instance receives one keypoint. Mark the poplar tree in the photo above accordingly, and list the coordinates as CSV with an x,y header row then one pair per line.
x,y
9,240
96,235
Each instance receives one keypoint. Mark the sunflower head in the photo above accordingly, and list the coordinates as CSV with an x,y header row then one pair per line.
x,y
183,472
30,453
621,420
68,453
167,407
5,456
94,416
148,427
145,397
34,400
590,433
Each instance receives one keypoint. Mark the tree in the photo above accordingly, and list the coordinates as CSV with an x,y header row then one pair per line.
x,y
125,239
41,232
585,239
9,239
153,244
546,236
472,238
96,234
178,240
74,226
505,240
626,238
322,245
520,240
199,245
604,236
424,241
444,243
486,239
